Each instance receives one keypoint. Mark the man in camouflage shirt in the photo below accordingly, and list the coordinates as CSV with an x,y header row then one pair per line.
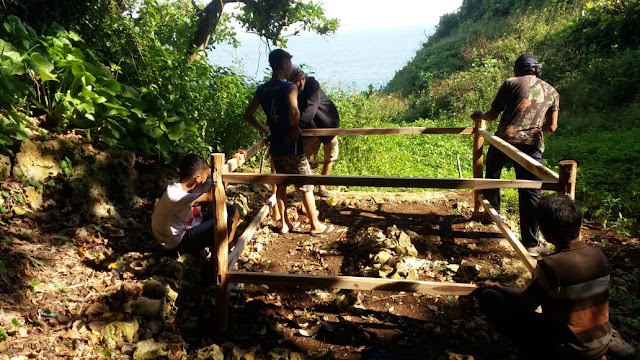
x,y
529,108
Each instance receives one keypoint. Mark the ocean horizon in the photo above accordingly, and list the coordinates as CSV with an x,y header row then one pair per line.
x,y
351,60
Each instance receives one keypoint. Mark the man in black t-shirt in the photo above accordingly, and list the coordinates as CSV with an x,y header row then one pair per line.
x,y
316,111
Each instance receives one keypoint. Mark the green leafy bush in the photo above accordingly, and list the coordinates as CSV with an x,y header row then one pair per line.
x,y
138,92
71,89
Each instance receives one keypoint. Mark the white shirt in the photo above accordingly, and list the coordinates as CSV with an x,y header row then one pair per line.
x,y
172,215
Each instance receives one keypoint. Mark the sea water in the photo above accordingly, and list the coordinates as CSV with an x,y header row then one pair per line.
x,y
351,60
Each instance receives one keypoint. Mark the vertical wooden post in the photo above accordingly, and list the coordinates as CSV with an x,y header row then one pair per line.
x,y
568,170
478,165
221,251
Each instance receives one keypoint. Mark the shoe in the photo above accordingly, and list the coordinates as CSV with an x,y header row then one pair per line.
x,y
539,250
619,348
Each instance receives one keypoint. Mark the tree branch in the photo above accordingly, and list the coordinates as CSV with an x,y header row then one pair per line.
x,y
207,25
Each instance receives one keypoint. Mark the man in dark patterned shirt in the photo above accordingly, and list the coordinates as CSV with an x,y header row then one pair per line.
x,y
529,108
571,286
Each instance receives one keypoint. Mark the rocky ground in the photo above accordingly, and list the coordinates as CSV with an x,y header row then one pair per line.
x,y
81,276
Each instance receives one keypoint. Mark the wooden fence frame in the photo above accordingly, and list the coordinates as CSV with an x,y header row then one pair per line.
x,y
222,173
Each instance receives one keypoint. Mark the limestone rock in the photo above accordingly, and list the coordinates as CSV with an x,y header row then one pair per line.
x,y
34,163
33,197
213,352
149,350
154,289
5,167
126,329
383,257
143,306
284,354
246,354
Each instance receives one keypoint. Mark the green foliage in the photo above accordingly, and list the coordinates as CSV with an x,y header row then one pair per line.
x,y
73,90
201,103
590,53
3,334
138,93
624,302
67,167
606,25
454,95
388,155
608,179
273,19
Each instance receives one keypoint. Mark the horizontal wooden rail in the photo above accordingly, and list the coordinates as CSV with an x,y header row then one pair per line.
x,y
476,184
389,131
350,282
520,250
234,163
250,230
521,158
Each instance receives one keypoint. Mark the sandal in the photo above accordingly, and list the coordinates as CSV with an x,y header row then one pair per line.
x,y
327,230
323,193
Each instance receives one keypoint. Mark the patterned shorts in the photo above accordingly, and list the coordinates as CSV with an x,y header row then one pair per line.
x,y
312,146
293,164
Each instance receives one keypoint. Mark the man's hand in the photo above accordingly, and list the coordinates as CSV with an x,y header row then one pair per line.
x,y
241,155
487,284
477,115
293,135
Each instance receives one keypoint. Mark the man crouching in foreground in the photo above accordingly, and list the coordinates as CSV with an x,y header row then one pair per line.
x,y
570,285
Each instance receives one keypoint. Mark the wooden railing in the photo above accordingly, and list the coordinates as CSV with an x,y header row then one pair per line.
x,y
222,172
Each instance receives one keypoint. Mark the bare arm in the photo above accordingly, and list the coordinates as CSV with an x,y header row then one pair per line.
x,y
294,113
205,197
551,123
250,116
529,298
294,116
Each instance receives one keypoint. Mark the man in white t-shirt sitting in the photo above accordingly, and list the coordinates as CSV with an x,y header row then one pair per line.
x,y
176,222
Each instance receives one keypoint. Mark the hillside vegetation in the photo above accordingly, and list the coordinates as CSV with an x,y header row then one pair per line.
x,y
590,52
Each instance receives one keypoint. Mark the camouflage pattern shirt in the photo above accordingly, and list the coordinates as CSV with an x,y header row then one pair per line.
x,y
523,102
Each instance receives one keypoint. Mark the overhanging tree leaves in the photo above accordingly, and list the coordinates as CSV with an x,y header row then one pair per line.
x,y
270,19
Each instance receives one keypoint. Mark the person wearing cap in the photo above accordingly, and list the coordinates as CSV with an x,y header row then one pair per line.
x,y
529,108
317,111
279,101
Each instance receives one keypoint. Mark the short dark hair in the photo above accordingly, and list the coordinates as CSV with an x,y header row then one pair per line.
x,y
277,57
527,65
190,165
559,218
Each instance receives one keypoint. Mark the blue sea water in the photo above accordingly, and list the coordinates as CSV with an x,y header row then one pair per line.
x,y
351,60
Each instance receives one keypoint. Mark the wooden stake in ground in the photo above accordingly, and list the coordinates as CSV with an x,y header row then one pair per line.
x,y
221,244
568,171
478,164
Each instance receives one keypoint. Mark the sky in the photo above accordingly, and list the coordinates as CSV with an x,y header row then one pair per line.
x,y
379,14
366,14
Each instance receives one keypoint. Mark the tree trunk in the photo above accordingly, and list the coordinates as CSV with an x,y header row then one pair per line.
x,y
206,26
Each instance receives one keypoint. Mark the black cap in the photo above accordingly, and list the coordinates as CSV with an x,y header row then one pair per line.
x,y
276,56
527,64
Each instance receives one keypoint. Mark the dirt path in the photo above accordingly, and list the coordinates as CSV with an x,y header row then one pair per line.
x,y
102,289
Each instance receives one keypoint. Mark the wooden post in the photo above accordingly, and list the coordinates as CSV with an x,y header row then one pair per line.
x,y
568,170
478,165
221,251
